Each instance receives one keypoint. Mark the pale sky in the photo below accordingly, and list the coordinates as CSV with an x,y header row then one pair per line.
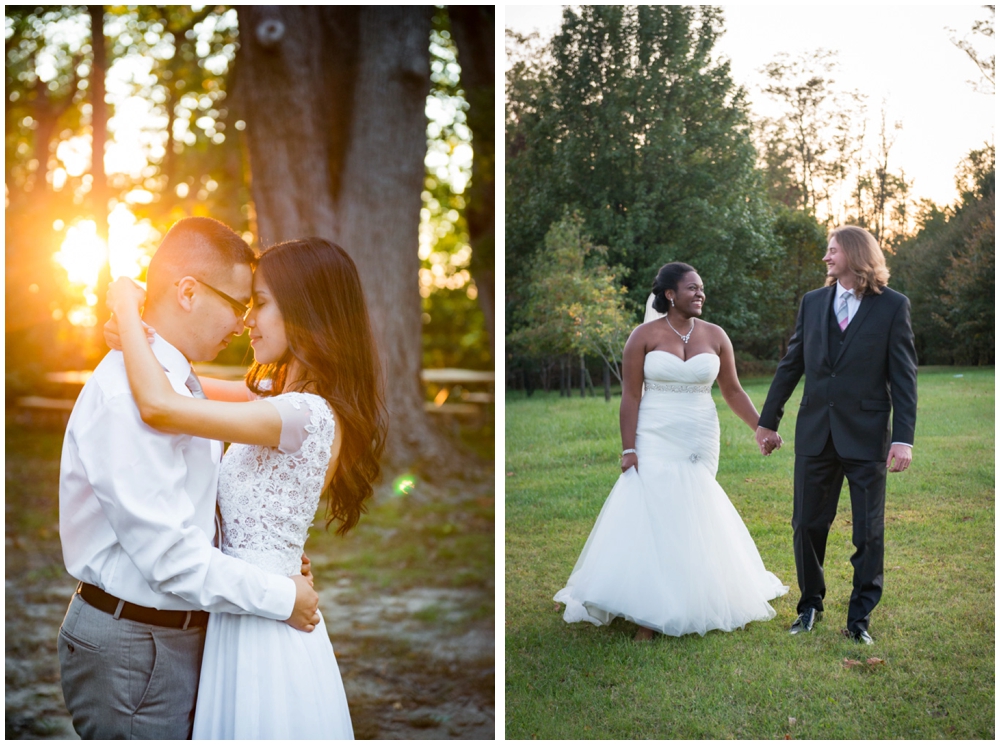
x,y
900,53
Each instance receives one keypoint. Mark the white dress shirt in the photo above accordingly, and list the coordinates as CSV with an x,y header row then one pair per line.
x,y
853,303
137,506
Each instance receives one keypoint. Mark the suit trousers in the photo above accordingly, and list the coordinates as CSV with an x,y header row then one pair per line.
x,y
818,480
123,679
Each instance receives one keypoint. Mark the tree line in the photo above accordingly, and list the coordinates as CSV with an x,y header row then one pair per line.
x,y
628,145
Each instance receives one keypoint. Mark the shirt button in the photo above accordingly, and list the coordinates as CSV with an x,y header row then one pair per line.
x,y
831,403
833,375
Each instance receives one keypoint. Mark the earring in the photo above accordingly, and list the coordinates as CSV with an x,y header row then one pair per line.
x,y
671,302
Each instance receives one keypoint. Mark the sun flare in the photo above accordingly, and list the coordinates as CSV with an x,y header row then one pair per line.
x,y
83,253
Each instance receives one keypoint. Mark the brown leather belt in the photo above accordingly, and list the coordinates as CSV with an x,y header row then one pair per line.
x,y
173,619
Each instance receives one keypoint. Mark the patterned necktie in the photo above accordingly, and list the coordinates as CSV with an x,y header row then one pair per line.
x,y
194,385
841,310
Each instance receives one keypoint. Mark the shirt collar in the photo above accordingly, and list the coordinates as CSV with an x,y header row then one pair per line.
x,y
841,290
170,357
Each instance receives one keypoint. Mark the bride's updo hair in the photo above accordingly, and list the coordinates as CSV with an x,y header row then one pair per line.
x,y
316,287
668,278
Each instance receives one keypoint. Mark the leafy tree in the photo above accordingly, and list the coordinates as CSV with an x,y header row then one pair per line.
x,y
948,270
807,151
452,283
797,268
626,118
987,65
573,303
472,27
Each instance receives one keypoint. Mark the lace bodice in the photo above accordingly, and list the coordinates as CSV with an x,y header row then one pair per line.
x,y
268,498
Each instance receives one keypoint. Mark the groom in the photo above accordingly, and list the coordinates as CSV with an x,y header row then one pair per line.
x,y
137,513
854,343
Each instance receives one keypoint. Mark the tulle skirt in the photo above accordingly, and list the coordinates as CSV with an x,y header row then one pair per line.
x,y
263,680
668,550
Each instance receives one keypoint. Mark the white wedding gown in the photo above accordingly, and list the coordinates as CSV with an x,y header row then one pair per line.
x,y
668,550
261,679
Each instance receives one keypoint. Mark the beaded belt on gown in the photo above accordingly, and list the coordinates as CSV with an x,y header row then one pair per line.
x,y
652,385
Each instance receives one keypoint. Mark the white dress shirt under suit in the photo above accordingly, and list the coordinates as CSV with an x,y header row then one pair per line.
x,y
137,506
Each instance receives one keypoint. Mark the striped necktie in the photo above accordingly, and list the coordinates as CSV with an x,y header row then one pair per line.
x,y
841,310
194,385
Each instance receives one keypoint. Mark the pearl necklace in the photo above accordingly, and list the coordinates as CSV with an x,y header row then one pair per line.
x,y
684,337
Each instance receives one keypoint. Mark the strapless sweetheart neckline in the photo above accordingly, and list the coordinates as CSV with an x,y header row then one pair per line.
x,y
664,351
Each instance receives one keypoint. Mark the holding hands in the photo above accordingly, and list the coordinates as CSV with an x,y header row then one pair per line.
x,y
767,440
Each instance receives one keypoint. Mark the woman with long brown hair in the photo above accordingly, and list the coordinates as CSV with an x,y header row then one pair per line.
x,y
308,422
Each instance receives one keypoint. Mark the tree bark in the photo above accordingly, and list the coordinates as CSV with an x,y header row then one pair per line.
x,y
472,28
607,381
99,130
334,98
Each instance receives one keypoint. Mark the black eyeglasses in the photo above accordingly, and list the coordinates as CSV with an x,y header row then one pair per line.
x,y
241,309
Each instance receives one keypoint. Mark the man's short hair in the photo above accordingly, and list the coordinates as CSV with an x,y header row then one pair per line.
x,y
198,246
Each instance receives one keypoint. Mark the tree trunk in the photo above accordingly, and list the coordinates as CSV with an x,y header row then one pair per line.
x,y
99,129
607,381
334,98
583,377
472,27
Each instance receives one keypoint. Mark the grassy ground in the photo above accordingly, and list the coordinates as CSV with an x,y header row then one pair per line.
x,y
408,599
932,673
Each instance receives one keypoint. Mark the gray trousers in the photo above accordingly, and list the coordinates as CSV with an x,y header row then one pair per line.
x,y
124,680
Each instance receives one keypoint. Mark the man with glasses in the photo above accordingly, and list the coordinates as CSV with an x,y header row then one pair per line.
x,y
137,512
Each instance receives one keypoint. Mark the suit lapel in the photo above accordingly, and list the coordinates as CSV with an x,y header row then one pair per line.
x,y
824,322
852,328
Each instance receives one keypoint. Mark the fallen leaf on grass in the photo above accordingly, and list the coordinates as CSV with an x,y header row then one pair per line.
x,y
791,721
849,663
875,661
510,473
556,607
788,737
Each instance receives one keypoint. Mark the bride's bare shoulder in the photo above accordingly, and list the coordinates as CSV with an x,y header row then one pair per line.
x,y
642,332
715,332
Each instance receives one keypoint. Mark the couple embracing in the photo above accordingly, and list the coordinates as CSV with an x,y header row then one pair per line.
x,y
668,551
195,613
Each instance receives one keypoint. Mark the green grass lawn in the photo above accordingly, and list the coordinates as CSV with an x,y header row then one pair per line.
x,y
933,630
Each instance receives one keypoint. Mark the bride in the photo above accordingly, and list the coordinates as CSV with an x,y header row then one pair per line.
x,y
307,422
668,551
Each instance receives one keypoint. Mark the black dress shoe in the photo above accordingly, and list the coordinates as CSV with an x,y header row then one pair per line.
x,y
861,636
805,621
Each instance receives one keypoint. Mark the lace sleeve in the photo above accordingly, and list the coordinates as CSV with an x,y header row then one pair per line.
x,y
294,420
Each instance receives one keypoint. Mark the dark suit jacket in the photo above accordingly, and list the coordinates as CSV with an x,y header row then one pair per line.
x,y
851,395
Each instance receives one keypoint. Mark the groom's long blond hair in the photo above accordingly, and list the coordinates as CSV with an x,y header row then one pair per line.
x,y
864,258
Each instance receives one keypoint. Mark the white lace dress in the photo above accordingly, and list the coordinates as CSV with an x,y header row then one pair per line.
x,y
260,678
